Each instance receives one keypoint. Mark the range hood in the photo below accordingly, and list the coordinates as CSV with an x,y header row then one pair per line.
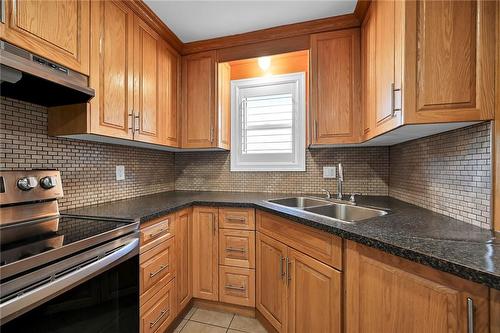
x,y
33,79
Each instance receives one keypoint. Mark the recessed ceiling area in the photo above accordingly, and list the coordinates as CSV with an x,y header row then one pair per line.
x,y
199,20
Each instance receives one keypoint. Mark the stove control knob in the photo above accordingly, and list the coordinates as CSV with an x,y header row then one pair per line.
x,y
48,182
27,183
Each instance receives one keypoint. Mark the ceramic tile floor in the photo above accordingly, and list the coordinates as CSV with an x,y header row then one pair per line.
x,y
207,321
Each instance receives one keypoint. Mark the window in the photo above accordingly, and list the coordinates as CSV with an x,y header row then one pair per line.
x,y
268,123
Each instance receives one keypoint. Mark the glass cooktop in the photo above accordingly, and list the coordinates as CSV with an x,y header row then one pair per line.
x,y
53,238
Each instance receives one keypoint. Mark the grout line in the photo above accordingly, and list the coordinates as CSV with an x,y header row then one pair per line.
x,y
230,323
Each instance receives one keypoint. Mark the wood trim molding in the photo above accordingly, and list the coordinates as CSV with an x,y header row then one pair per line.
x,y
361,9
146,14
275,33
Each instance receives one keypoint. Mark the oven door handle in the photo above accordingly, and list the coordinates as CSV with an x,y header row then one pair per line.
x,y
27,301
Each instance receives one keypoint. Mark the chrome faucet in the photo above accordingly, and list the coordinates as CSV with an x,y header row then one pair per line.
x,y
340,181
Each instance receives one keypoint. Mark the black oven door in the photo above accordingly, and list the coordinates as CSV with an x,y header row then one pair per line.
x,y
107,302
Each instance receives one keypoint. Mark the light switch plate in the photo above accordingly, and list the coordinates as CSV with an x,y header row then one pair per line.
x,y
120,172
329,172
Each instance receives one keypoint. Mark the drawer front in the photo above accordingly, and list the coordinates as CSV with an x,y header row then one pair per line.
x,y
237,218
317,244
154,231
237,285
158,267
159,311
237,248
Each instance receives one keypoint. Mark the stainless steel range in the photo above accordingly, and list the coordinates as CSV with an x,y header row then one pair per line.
x,y
63,273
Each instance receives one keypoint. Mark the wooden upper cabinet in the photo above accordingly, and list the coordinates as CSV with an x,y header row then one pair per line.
x,y
224,106
368,80
335,90
450,52
56,30
387,88
314,295
199,84
385,293
112,69
148,116
168,90
205,253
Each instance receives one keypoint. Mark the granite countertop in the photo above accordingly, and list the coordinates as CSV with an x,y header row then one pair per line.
x,y
407,231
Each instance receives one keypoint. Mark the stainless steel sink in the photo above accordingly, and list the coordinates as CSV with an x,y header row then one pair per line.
x,y
339,211
346,213
300,202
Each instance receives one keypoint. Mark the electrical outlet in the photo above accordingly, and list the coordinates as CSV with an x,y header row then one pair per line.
x,y
329,172
120,172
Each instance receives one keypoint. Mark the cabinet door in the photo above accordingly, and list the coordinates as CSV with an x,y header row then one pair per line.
x,y
205,253
450,52
147,113
199,100
168,90
224,106
385,293
56,30
314,295
271,281
112,73
368,71
335,77
183,234
387,65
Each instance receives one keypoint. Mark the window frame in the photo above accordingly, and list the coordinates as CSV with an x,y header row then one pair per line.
x,y
298,126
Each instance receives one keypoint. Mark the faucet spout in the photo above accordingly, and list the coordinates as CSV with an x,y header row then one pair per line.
x,y
340,181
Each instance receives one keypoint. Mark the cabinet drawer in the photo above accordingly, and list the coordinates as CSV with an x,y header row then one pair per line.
x,y
154,230
157,267
237,285
160,310
237,218
317,244
237,248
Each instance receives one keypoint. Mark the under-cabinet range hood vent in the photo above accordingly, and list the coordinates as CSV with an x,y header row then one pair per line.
x,y
33,79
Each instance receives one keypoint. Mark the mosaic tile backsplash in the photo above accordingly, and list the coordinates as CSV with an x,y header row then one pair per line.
x,y
449,173
87,168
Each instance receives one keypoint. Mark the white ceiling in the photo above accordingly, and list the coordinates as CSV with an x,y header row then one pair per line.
x,y
198,20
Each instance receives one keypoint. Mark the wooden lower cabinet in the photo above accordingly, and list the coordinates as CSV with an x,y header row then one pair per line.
x,y
184,258
237,285
159,311
314,294
205,253
295,292
385,293
271,283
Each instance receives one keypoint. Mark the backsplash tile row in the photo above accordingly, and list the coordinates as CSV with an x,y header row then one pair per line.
x,y
449,173
366,170
87,168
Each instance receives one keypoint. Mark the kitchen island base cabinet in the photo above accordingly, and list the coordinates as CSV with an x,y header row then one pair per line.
x,y
385,293
205,253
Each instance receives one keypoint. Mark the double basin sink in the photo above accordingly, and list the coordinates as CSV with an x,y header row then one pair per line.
x,y
343,212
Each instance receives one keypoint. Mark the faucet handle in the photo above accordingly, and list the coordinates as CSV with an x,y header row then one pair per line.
x,y
352,198
328,193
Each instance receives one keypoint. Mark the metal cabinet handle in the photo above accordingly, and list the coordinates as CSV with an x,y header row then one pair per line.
x,y
162,314
393,100
316,129
236,219
214,228
131,122
162,267
282,271
211,134
288,273
156,234
470,315
138,122
233,249
235,288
